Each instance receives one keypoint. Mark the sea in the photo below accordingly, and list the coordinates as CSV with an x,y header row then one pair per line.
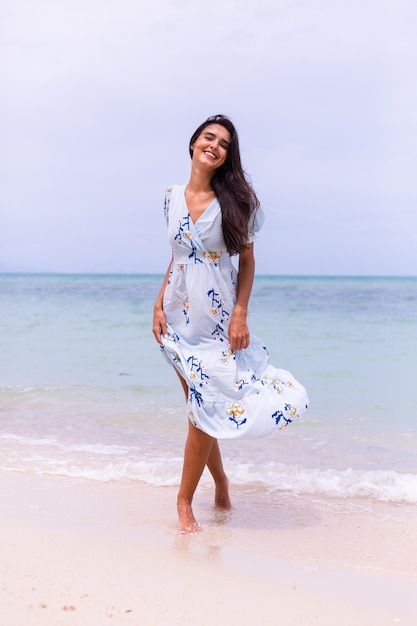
x,y
85,392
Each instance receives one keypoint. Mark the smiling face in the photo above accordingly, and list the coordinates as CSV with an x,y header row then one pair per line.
x,y
211,146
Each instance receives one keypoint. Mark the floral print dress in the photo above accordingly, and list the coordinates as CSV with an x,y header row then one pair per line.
x,y
232,394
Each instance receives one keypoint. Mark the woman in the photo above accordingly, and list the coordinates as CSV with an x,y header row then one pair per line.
x,y
200,316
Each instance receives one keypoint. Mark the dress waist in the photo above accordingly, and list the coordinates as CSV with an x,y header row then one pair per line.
x,y
190,257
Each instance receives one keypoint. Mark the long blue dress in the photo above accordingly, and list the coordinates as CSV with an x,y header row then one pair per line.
x,y
232,394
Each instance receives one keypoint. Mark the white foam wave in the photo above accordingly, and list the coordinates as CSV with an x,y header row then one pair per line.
x,y
382,485
152,465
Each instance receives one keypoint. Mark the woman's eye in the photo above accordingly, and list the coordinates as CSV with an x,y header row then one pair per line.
x,y
222,144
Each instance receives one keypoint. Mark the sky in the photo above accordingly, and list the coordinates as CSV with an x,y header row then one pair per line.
x,y
100,97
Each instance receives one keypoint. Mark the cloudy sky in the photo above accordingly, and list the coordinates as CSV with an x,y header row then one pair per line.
x,y
99,99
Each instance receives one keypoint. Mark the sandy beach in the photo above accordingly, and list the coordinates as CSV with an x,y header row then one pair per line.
x,y
85,553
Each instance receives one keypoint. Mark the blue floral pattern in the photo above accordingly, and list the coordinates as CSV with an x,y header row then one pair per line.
x,y
184,233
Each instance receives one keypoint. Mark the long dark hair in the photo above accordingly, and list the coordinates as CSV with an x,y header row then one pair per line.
x,y
238,200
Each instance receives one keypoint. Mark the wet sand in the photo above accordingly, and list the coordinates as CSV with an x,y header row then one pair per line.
x,y
84,553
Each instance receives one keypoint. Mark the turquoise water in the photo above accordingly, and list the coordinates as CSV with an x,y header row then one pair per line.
x,y
85,392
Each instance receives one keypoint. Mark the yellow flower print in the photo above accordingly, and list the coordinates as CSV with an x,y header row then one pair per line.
x,y
192,375
227,355
214,312
188,234
289,383
276,385
213,257
186,305
180,266
235,409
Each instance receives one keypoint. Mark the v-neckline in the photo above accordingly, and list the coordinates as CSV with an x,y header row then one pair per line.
x,y
201,214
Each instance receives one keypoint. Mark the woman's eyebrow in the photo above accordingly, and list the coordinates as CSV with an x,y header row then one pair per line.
x,y
209,133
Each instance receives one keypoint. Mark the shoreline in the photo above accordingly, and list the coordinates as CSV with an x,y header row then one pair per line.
x,y
84,552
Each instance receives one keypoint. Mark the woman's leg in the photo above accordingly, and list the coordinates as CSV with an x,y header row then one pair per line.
x,y
183,385
215,465
197,450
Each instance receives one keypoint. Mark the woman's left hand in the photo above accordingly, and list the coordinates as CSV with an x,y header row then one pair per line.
x,y
239,337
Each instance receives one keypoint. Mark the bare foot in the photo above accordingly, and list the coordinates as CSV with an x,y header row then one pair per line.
x,y
221,497
188,524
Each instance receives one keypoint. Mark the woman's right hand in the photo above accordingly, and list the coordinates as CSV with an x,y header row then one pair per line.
x,y
159,326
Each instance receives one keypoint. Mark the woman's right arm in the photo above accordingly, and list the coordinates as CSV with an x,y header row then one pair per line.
x,y
159,321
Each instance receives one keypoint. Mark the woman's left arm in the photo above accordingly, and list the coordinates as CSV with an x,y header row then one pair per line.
x,y
238,328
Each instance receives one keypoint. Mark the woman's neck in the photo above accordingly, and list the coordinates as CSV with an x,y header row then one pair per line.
x,y
200,180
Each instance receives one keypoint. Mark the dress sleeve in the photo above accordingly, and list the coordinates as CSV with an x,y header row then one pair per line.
x,y
166,203
255,224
